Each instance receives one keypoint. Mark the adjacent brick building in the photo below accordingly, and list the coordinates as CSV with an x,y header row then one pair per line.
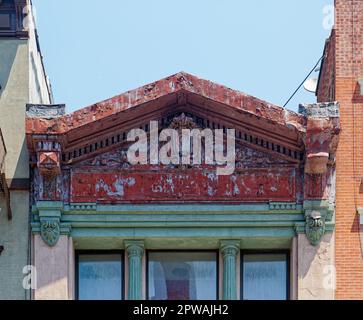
x,y
341,79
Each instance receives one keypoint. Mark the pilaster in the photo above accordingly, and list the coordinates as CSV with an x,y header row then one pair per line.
x,y
135,252
229,251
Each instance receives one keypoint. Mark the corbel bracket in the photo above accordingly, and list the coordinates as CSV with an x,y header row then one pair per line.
x,y
317,213
322,135
48,158
50,217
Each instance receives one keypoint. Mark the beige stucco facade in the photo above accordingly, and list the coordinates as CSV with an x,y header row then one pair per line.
x,y
55,269
22,81
315,269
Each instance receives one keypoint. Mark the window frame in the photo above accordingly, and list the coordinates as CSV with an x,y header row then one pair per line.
x,y
147,269
266,252
100,252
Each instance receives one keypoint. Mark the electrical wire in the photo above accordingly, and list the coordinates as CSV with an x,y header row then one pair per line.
x,y
302,83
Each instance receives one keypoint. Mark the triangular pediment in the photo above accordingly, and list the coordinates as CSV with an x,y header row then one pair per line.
x,y
250,152
262,125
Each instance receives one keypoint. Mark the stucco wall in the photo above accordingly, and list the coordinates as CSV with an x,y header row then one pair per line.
x,y
22,81
14,234
55,269
316,269
14,95
14,238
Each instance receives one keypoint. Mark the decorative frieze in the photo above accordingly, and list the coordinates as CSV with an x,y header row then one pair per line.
x,y
282,205
320,110
45,111
83,206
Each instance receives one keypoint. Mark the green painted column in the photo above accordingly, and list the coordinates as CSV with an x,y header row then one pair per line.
x,y
135,251
229,251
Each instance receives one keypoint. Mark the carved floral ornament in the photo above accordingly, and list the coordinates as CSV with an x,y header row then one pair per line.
x,y
50,231
315,226
135,249
229,249
50,226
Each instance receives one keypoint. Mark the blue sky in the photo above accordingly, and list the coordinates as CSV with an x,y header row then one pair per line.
x,y
94,50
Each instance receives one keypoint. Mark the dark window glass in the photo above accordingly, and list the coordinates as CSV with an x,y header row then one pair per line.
x,y
264,277
182,276
100,276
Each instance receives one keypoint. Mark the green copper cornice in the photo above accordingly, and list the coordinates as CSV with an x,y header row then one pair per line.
x,y
253,222
92,208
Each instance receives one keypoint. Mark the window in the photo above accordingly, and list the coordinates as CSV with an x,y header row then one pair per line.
x,y
182,275
99,276
265,276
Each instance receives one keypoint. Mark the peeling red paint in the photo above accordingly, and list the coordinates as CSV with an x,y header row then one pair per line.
x,y
191,185
280,156
179,82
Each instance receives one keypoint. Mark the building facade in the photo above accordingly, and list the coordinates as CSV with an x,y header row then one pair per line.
x,y
103,227
22,81
285,223
341,79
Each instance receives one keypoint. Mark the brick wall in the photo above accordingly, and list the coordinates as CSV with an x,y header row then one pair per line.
x,y
326,86
346,63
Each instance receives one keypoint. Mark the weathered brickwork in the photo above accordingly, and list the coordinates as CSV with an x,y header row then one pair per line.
x,y
342,68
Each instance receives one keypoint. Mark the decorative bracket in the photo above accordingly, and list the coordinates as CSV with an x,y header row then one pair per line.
x,y
48,158
317,213
48,153
322,134
50,230
50,215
